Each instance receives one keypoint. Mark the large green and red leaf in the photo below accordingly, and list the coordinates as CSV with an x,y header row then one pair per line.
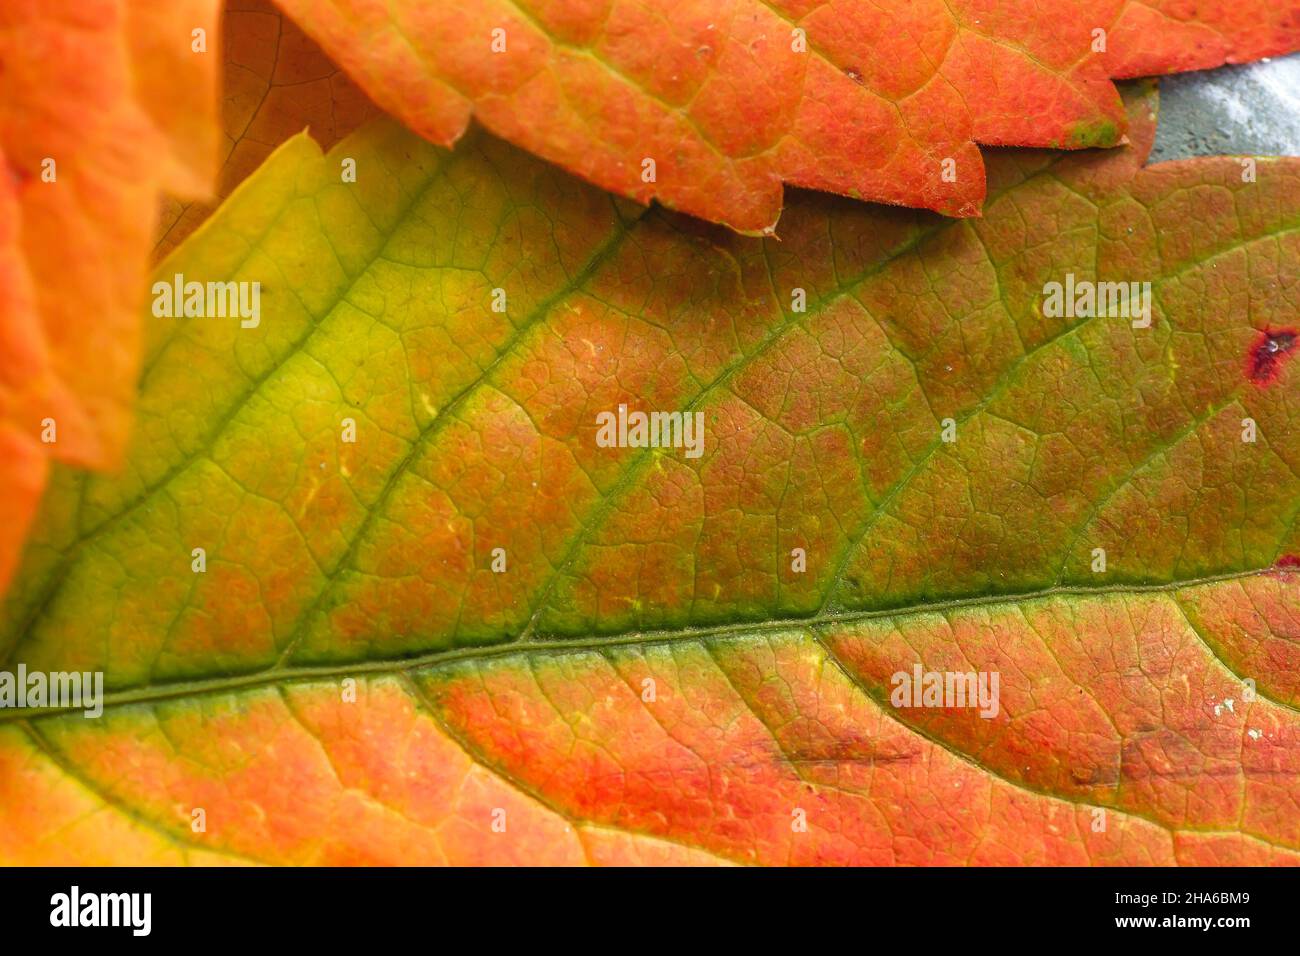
x,y
872,100
1123,692
103,106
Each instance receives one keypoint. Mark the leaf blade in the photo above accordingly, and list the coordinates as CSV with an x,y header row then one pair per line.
x,y
769,689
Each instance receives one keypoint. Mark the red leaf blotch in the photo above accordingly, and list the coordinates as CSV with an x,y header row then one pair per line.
x,y
1268,353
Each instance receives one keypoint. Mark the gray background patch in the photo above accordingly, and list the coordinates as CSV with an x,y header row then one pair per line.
x,y
1251,110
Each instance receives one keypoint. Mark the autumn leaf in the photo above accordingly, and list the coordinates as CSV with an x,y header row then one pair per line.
x,y
103,105
709,108
275,83
371,590
1153,37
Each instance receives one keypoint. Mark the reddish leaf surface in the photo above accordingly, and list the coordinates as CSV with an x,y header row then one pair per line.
x,y
1151,37
877,103
111,93
649,679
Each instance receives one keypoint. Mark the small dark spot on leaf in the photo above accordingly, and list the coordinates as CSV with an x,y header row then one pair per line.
x,y
854,74
1268,353
1288,561
17,174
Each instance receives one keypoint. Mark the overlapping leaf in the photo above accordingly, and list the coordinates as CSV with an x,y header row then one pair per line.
x,y
650,678
103,105
1152,37
710,106
275,83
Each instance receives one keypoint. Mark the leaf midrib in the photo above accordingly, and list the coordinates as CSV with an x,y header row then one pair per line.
x,y
597,641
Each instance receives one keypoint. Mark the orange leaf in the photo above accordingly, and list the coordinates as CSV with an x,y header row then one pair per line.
x,y
710,106
103,104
